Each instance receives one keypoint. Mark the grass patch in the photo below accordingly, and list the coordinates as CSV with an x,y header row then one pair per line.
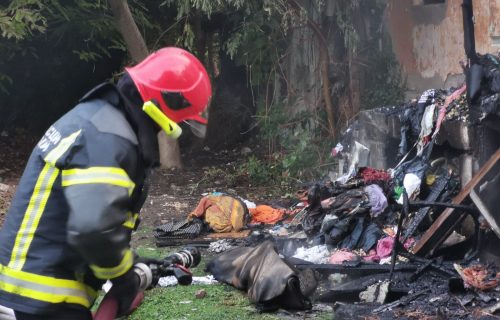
x,y
179,302
221,302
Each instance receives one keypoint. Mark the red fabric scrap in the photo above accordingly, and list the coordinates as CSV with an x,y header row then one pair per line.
x,y
370,175
372,256
338,257
442,109
385,245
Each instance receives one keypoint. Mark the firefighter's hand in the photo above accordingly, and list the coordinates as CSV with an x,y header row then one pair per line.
x,y
125,289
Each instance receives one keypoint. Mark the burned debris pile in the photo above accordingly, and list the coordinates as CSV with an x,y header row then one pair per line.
x,y
406,226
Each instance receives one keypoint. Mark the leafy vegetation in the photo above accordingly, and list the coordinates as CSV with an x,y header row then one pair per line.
x,y
385,85
20,19
297,147
255,35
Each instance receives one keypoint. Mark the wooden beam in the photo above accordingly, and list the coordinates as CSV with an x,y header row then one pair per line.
x,y
450,218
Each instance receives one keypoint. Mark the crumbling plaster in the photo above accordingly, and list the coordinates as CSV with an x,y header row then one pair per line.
x,y
428,39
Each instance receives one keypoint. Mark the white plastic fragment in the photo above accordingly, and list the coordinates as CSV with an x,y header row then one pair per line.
x,y
317,254
172,281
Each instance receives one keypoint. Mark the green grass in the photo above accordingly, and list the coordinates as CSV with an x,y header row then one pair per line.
x,y
179,302
221,301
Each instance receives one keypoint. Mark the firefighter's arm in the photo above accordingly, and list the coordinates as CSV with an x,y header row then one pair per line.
x,y
97,186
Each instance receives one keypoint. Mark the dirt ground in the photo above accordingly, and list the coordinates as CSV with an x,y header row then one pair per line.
x,y
175,193
172,194
14,153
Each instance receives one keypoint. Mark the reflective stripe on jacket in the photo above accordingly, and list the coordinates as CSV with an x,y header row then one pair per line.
x,y
68,228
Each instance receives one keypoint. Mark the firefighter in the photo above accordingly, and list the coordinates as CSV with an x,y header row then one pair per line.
x,y
69,226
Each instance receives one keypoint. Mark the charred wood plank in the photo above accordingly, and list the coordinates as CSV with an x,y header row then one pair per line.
x,y
180,242
361,269
438,267
420,270
450,218
202,240
352,294
401,302
420,204
422,212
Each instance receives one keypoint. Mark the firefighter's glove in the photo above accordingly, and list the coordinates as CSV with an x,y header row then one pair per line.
x,y
125,289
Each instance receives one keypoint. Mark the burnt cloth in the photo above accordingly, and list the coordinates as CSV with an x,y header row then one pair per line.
x,y
270,282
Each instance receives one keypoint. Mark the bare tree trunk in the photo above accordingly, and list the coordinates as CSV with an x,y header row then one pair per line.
x,y
210,54
355,69
200,37
170,155
128,29
324,61
354,85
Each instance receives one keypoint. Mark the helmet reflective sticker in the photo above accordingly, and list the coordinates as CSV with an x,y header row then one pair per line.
x,y
175,100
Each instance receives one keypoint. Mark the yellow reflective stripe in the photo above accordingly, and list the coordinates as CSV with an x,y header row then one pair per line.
x,y
61,148
106,175
113,272
45,288
32,216
131,220
37,202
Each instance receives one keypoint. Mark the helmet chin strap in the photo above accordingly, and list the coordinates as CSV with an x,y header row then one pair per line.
x,y
171,128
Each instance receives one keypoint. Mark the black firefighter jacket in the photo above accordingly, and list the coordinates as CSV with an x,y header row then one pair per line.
x,y
69,226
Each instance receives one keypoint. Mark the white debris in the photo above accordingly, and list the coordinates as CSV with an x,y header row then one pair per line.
x,y
220,246
317,254
249,204
172,281
412,185
375,293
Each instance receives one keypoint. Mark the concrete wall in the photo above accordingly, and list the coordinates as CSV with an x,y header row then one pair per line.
x,y
428,39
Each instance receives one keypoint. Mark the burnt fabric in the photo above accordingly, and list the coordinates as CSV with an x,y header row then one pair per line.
x,y
350,202
270,283
489,105
378,201
222,213
491,66
314,195
336,232
184,229
410,119
267,214
371,175
351,241
370,237
313,220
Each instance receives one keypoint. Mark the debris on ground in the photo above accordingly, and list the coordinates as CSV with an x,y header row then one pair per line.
x,y
405,226
200,294
172,281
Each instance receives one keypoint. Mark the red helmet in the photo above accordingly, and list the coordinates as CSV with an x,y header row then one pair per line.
x,y
176,80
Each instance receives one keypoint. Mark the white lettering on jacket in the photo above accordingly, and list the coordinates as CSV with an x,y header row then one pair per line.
x,y
50,138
